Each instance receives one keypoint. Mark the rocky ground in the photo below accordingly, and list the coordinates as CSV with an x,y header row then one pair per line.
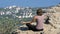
x,y
48,28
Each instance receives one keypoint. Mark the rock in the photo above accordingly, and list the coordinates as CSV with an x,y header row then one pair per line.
x,y
48,29
55,19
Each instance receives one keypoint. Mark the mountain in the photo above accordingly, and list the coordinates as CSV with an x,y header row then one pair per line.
x,y
17,12
26,12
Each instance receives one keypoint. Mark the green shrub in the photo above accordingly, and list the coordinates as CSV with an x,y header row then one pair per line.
x,y
8,25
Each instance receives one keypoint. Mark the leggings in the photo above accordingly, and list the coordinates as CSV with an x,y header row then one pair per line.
x,y
32,27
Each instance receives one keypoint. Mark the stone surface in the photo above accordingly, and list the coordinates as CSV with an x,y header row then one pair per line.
x,y
48,28
54,16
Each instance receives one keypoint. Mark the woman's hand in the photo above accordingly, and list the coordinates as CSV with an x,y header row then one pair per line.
x,y
23,22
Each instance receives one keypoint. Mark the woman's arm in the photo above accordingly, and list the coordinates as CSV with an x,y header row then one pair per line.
x,y
33,20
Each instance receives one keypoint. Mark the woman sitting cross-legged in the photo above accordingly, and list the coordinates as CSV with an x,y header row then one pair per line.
x,y
39,19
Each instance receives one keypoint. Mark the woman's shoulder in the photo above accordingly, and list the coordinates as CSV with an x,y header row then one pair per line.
x,y
35,16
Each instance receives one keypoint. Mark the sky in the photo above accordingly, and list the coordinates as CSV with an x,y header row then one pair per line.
x,y
29,3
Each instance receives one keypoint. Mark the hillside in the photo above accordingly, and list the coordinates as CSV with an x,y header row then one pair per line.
x,y
12,16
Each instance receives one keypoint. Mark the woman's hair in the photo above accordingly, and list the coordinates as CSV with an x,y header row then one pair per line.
x,y
39,11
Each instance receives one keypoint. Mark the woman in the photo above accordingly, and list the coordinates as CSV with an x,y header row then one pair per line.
x,y
39,19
